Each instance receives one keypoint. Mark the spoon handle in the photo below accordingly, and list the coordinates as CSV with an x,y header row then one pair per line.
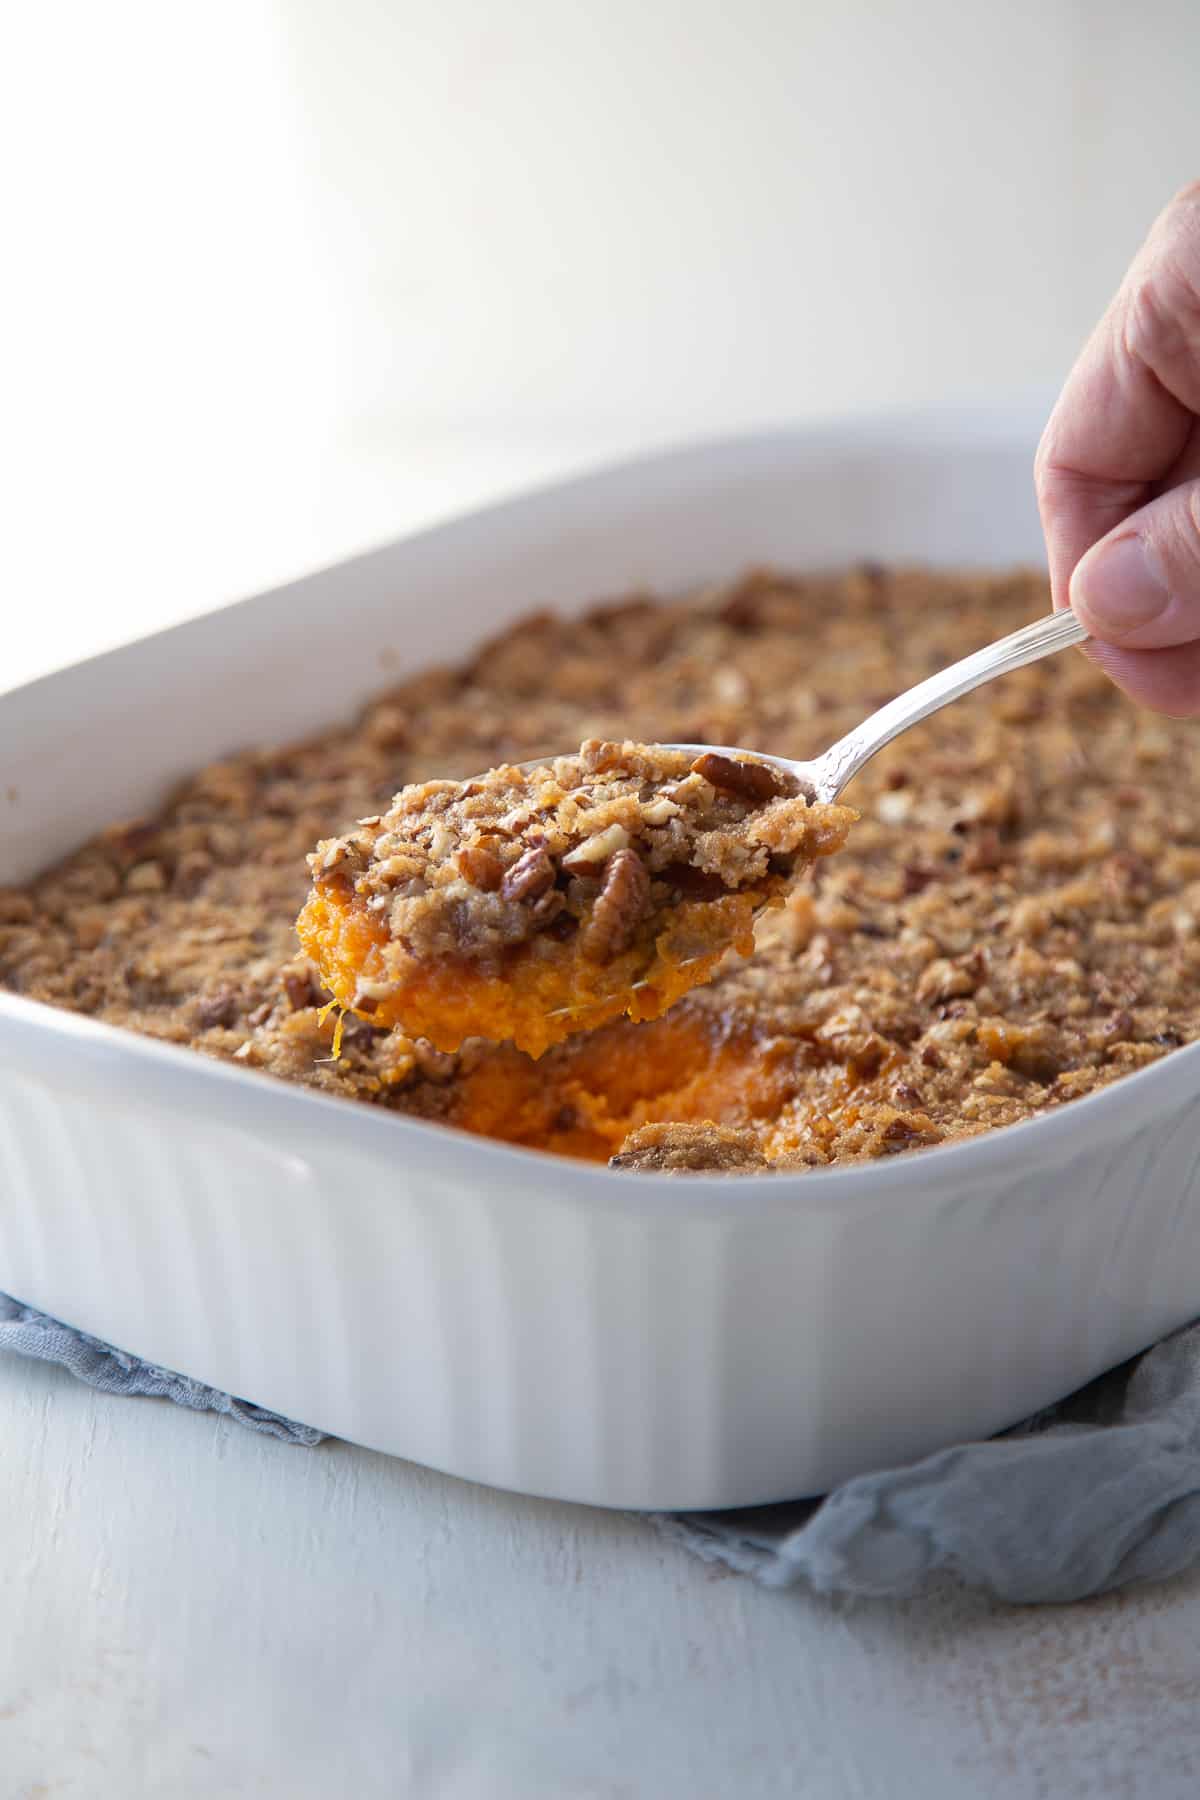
x,y
843,760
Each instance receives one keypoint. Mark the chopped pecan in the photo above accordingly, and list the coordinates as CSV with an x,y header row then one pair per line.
x,y
480,867
905,1130
864,1052
191,871
753,781
15,908
619,909
1129,875
985,852
743,609
219,1008
529,877
915,879
946,980
587,857
131,839
146,878
898,1132
598,756
298,987
1043,1055
358,1032
386,726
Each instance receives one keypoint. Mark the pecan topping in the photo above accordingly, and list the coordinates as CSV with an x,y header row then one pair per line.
x,y
598,756
298,987
943,979
15,909
386,727
586,858
357,1031
915,879
132,838
1128,874
481,868
743,609
529,877
753,781
619,909
900,1132
220,1008
985,852
191,871
675,1149
146,878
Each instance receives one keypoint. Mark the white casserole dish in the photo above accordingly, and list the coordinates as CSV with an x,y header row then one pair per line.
x,y
515,1318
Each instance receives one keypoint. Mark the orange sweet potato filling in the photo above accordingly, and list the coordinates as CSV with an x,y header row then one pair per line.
x,y
544,991
588,1095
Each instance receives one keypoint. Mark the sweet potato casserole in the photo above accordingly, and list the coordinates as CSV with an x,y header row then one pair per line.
x,y
1012,922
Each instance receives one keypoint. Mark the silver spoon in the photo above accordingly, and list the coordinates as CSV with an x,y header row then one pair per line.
x,y
824,778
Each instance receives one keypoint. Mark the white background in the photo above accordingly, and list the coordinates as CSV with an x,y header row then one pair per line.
x,y
284,277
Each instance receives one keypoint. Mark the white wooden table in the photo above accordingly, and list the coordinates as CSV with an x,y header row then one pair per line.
x,y
191,1610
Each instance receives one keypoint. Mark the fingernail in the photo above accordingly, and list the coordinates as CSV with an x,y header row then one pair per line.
x,y
1120,587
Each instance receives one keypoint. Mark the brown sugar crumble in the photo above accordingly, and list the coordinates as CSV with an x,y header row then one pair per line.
x,y
1014,921
523,906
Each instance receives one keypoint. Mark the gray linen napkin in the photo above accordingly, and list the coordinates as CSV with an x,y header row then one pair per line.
x,y
1098,1492
35,1334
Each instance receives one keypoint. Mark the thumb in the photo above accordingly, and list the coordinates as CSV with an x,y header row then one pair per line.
x,y
1139,587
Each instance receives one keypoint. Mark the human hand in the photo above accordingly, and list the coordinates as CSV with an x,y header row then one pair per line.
x,y
1118,473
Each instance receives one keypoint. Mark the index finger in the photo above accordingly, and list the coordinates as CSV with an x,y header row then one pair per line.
x,y
1127,410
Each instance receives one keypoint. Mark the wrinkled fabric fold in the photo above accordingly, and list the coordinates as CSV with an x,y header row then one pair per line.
x,y
1098,1492
35,1334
